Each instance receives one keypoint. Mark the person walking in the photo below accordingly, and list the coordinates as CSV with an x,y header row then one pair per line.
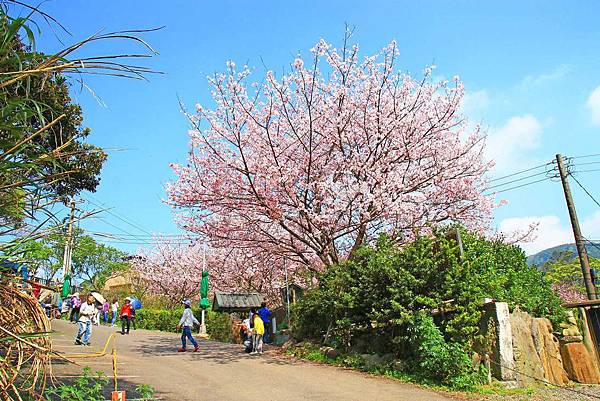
x,y
126,315
87,310
258,332
75,306
187,321
265,315
105,307
114,307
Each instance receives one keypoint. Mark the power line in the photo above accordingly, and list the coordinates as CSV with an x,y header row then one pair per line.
x,y
142,236
585,190
586,171
123,219
584,156
520,172
518,186
516,180
592,243
125,242
586,164
114,226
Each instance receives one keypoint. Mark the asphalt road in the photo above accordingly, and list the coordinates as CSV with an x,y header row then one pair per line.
x,y
223,371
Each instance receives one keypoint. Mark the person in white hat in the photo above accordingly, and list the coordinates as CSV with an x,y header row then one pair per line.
x,y
126,311
186,323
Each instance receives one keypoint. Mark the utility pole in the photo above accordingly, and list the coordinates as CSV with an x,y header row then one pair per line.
x,y
287,293
68,244
579,242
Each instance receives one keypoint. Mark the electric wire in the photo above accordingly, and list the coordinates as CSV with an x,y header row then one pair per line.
x,y
587,164
123,219
520,172
584,156
585,190
516,180
115,226
592,243
502,184
517,186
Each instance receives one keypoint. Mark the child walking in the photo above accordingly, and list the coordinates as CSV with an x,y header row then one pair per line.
x,y
259,331
186,323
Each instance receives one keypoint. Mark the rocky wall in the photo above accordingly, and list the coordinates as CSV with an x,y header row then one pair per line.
x,y
539,353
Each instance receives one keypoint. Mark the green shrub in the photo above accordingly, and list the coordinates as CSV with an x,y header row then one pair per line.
x,y
432,359
86,387
379,301
378,291
218,325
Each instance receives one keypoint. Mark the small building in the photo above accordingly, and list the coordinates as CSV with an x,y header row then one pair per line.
x,y
236,302
119,282
296,293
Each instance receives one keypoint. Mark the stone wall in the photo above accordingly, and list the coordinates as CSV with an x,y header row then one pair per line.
x,y
527,351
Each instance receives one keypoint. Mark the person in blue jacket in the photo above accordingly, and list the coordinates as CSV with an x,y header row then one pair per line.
x,y
265,315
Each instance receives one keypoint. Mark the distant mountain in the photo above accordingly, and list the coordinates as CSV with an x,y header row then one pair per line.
x,y
543,256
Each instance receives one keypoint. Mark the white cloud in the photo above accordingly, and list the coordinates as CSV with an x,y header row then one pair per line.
x,y
531,81
590,227
508,145
551,231
475,102
593,104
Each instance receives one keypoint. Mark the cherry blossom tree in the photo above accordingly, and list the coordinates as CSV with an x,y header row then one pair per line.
x,y
309,165
172,270
569,293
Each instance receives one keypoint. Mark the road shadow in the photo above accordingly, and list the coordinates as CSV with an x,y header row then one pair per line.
x,y
213,351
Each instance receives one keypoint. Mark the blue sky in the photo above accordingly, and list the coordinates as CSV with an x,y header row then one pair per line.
x,y
530,69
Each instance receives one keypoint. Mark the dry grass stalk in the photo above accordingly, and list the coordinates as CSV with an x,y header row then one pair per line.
x,y
25,348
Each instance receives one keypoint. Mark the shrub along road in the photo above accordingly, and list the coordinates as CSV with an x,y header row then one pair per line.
x,y
224,372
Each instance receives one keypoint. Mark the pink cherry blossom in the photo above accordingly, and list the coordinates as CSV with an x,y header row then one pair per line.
x,y
307,166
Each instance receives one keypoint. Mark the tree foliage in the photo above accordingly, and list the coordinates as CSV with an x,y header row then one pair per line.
x,y
382,288
51,159
43,154
92,262
563,271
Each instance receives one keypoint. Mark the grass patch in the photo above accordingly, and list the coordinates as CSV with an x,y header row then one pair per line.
x,y
312,352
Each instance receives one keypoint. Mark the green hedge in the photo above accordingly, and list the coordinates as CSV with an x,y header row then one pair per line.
x,y
218,325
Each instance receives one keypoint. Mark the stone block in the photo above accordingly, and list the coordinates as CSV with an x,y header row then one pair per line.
x,y
548,350
502,356
578,363
528,363
330,352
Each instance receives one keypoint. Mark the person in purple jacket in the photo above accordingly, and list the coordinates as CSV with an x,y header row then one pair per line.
x,y
105,307
75,305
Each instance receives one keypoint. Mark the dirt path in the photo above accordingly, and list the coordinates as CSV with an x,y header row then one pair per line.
x,y
223,372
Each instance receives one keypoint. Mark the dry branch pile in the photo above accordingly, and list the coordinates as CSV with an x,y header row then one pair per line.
x,y
24,344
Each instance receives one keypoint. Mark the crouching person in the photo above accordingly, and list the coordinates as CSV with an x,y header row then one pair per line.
x,y
186,323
